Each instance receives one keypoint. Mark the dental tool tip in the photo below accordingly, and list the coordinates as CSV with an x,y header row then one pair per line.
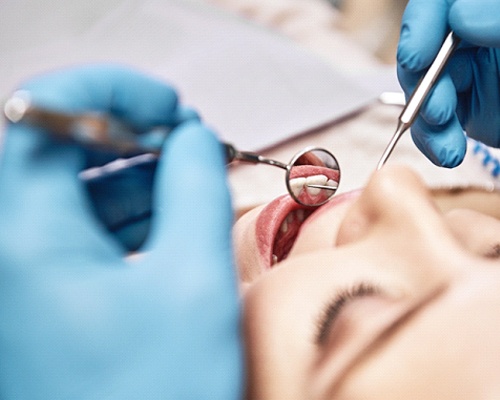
x,y
327,187
392,144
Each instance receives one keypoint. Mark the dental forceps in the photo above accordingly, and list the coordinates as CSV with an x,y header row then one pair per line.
x,y
312,176
414,104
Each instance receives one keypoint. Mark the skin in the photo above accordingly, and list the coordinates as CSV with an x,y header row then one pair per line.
x,y
426,323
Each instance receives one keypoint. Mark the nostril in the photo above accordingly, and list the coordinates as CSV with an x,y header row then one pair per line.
x,y
353,228
392,195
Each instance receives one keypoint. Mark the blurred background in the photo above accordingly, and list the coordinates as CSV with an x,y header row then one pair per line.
x,y
270,76
373,24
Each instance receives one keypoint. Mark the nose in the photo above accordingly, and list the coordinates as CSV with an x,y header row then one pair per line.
x,y
395,202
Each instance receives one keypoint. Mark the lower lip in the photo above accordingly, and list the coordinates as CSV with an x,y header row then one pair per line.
x,y
270,219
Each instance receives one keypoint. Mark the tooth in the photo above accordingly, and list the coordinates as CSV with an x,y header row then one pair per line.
x,y
297,184
284,226
300,215
274,259
333,184
315,180
289,218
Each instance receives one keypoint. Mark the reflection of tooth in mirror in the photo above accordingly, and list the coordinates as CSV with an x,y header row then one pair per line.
x,y
314,182
296,185
313,177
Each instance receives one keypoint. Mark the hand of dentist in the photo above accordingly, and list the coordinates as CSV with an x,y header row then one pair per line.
x,y
467,97
77,320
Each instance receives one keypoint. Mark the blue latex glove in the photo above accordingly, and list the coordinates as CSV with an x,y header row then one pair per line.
x,y
77,321
467,96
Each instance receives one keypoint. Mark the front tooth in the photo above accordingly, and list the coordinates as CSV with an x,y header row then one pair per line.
x,y
333,184
315,180
297,184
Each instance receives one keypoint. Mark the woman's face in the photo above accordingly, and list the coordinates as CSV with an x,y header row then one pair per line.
x,y
388,293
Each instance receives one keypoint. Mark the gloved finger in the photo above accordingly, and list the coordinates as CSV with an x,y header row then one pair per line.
x,y
476,23
483,121
139,100
423,29
460,68
42,208
444,145
38,180
439,107
192,213
185,114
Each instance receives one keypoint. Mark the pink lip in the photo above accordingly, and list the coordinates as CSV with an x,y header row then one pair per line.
x,y
268,223
272,216
308,170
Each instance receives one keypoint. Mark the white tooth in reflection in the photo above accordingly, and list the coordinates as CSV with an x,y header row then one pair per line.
x,y
300,215
297,184
274,259
289,218
284,226
315,180
332,184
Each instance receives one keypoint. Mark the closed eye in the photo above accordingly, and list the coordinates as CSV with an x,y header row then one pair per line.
x,y
494,252
332,311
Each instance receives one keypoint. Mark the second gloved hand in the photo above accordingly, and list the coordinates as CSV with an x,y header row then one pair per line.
x,y
77,320
467,97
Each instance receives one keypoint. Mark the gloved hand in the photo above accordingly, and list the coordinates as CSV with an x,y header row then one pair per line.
x,y
467,96
77,320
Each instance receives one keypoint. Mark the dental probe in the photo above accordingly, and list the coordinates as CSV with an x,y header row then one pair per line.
x,y
102,131
412,108
92,129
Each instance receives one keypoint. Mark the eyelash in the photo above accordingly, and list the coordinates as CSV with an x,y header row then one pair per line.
x,y
494,252
341,299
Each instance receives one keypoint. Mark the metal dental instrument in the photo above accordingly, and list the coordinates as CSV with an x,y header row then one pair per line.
x,y
313,168
412,108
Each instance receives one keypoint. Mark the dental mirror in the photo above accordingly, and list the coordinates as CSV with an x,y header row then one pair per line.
x,y
312,176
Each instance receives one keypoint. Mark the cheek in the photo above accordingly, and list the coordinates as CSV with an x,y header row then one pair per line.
x,y
478,233
463,325
249,262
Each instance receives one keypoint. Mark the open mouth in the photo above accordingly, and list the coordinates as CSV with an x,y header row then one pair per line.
x,y
277,228
279,222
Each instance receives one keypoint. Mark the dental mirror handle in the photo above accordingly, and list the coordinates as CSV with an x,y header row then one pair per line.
x,y
414,104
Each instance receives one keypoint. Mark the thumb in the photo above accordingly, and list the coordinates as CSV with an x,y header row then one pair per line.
x,y
477,21
192,207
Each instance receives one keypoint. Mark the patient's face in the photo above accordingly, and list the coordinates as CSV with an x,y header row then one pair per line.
x,y
385,294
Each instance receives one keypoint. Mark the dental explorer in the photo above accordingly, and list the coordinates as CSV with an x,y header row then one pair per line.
x,y
104,132
412,108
